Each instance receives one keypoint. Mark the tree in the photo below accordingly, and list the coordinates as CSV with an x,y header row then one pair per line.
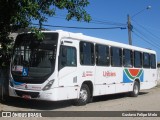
x,y
16,14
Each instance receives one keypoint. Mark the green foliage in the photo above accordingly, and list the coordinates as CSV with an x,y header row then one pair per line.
x,y
20,13
16,14
38,34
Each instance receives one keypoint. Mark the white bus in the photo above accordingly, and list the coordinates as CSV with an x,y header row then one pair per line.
x,y
67,65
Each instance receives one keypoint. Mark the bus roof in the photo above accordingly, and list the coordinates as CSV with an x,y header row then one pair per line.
x,y
80,36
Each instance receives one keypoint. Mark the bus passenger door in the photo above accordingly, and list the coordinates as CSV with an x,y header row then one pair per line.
x,y
67,67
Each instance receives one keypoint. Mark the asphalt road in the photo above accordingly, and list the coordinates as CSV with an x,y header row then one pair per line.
x,y
148,100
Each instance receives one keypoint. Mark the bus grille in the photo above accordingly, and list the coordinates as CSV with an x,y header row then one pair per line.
x,y
32,94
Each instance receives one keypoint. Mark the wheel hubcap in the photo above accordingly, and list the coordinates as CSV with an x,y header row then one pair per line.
x,y
136,89
83,95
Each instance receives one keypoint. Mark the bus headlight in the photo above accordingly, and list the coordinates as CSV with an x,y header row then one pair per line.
x,y
48,86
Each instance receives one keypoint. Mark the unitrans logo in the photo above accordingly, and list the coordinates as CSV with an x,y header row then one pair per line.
x,y
129,75
109,74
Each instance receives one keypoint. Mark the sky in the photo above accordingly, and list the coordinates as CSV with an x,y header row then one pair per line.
x,y
113,13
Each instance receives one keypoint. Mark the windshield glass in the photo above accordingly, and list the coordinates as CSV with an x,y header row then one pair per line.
x,y
34,60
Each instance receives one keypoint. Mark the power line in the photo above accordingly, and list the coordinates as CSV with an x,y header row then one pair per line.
x,y
150,43
108,22
145,35
104,22
88,28
155,36
158,47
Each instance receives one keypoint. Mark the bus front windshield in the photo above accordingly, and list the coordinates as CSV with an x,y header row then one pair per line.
x,y
34,60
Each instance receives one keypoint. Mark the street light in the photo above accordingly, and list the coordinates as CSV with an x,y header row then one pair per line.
x,y
130,27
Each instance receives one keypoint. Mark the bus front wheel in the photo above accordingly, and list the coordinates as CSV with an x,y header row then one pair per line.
x,y
84,96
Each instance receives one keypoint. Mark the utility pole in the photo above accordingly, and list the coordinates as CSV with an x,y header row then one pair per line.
x,y
129,29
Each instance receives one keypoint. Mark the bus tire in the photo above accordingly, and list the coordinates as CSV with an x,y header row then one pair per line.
x,y
136,88
84,96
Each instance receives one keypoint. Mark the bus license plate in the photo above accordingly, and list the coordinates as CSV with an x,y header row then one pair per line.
x,y
26,96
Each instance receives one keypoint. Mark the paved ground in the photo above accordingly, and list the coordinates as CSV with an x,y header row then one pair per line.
x,y
148,100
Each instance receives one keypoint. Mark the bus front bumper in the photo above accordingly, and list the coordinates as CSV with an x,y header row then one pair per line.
x,y
55,94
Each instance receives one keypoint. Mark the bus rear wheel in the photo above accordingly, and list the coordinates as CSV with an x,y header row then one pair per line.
x,y
84,96
136,88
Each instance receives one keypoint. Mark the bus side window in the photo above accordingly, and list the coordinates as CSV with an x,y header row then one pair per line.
x,y
87,53
68,57
153,61
137,59
116,57
127,58
146,60
102,55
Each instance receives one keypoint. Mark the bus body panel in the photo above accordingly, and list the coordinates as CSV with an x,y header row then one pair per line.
x,y
69,79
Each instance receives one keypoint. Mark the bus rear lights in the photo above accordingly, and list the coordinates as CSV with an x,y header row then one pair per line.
x,y
48,86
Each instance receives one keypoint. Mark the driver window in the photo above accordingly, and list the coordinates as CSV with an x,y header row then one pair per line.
x,y
68,57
